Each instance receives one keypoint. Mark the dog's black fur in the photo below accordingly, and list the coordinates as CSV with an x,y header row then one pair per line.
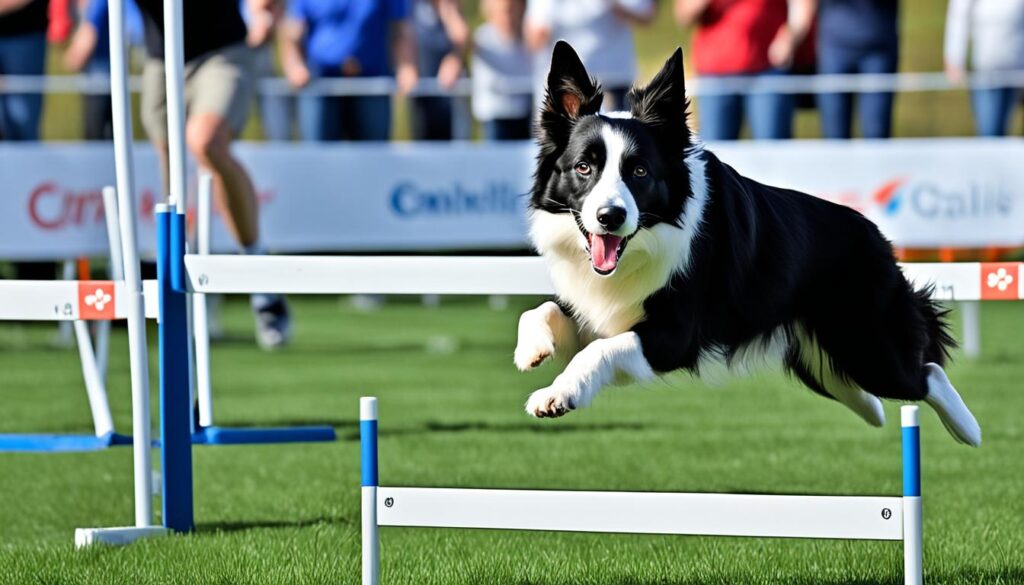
x,y
764,259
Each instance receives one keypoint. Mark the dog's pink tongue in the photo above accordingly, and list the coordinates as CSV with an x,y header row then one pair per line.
x,y
604,251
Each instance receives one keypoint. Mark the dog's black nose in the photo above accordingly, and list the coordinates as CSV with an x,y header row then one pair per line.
x,y
611,218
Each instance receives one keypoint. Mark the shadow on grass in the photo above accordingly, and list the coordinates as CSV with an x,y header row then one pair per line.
x,y
458,344
523,427
244,525
336,422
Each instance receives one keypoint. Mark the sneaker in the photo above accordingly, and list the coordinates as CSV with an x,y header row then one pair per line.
x,y
273,322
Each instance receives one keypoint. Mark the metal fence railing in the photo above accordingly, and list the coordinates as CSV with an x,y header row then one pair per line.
x,y
697,86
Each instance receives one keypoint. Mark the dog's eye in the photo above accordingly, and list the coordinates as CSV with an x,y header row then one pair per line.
x,y
640,171
582,168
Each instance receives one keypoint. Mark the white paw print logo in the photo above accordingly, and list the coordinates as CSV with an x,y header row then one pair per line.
x,y
98,299
1000,279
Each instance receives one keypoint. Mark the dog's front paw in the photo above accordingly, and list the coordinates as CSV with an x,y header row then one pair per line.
x,y
531,353
550,402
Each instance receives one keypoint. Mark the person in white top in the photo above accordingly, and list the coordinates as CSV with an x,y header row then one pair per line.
x,y
601,33
501,101
994,31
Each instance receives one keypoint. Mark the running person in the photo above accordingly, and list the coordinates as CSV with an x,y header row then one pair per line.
x,y
220,74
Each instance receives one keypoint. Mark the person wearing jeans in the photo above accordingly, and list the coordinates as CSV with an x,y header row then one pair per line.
x,y
22,52
744,38
347,38
768,115
857,36
994,31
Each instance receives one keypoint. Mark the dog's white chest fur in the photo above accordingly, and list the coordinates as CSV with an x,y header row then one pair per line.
x,y
607,305
610,305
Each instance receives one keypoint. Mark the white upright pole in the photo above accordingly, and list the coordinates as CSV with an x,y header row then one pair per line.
x,y
200,315
970,312
368,448
133,283
913,562
94,387
174,64
93,361
116,273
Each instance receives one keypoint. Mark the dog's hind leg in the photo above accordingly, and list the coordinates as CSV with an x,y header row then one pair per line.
x,y
946,401
886,366
813,366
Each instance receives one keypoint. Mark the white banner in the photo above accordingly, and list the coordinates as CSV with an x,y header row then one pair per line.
x,y
410,197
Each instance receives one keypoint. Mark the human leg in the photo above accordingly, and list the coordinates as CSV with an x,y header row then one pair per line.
x,y
370,117
20,112
431,118
836,108
320,118
992,108
219,92
875,109
719,115
507,129
770,115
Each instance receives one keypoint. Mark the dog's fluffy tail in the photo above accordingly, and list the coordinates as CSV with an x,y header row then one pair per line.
x,y
940,342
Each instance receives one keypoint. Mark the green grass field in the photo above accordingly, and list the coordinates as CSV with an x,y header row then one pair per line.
x,y
451,415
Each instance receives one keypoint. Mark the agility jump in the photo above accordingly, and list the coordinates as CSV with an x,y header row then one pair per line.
x,y
791,516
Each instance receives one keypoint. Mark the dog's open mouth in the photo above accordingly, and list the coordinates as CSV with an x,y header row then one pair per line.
x,y
605,251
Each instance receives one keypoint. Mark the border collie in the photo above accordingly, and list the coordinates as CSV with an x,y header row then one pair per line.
x,y
664,258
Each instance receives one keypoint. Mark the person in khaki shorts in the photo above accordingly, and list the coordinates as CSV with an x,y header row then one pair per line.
x,y
220,74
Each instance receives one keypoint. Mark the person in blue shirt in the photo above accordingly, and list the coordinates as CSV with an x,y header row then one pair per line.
x,y
347,38
857,36
89,51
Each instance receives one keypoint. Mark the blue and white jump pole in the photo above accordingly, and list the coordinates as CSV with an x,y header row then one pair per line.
x,y
175,396
368,451
759,515
913,566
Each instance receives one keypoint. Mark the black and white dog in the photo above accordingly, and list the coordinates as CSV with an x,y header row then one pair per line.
x,y
664,258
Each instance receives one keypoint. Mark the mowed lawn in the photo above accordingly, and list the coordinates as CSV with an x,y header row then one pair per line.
x,y
450,408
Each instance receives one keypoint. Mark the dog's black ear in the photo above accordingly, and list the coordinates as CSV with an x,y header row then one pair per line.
x,y
571,92
663,104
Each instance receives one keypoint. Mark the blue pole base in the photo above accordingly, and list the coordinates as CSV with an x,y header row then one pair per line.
x,y
55,443
257,435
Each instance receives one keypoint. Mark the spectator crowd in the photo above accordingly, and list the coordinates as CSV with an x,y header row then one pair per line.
x,y
231,45
408,41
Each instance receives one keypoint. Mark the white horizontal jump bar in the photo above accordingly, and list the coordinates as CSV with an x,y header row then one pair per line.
x,y
840,517
60,300
469,275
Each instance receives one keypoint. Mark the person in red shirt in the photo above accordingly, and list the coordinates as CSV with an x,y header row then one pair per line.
x,y
740,38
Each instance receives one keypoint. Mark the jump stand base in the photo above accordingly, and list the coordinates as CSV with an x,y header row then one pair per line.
x,y
55,443
255,436
85,537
